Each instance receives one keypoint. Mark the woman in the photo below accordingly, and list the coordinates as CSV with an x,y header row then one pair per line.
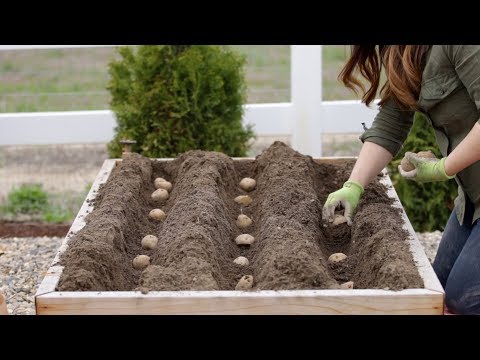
x,y
442,82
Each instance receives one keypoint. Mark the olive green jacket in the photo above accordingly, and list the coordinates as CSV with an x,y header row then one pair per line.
x,y
450,100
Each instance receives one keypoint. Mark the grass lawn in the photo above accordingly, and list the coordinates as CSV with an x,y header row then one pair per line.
x,y
75,79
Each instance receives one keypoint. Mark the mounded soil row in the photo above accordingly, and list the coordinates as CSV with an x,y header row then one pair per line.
x,y
196,242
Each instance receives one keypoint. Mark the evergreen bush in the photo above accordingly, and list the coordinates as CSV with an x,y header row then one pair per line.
x,y
428,206
175,98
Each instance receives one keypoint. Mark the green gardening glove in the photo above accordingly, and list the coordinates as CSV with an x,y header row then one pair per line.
x,y
348,197
426,169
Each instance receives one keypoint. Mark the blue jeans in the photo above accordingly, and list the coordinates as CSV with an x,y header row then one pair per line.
x,y
457,264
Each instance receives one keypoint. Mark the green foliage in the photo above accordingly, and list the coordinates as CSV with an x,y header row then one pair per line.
x,y
57,215
63,206
428,205
87,188
172,99
27,199
30,201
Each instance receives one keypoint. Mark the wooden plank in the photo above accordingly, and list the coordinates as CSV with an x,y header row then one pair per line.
x,y
50,281
65,127
306,95
295,302
3,305
322,160
43,47
333,159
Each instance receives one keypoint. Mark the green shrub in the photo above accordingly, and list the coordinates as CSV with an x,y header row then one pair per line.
x,y
27,199
428,205
30,201
171,99
63,206
58,215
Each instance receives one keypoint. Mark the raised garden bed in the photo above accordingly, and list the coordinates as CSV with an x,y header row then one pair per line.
x,y
192,270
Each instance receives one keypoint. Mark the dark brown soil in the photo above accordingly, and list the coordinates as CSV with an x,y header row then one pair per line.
x,y
196,245
31,229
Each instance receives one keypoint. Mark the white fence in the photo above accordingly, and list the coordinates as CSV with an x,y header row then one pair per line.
x,y
305,118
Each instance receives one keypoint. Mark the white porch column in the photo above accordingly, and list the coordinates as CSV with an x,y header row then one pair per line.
x,y
306,85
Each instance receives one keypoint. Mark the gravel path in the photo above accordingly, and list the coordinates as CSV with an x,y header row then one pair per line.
x,y
24,262
430,243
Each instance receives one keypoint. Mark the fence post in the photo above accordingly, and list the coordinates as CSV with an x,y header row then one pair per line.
x,y
306,85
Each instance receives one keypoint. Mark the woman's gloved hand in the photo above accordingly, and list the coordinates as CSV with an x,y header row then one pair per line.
x,y
347,197
427,169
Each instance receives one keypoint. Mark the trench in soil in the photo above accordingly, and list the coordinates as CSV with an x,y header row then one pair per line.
x,y
196,246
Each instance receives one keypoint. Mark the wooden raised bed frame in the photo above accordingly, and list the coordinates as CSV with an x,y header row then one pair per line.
x,y
428,300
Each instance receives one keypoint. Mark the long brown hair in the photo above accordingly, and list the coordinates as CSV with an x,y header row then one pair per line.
x,y
403,68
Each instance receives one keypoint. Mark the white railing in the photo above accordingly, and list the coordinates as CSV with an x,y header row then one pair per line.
x,y
305,118
44,47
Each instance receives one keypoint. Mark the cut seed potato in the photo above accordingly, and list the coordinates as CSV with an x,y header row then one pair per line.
x,y
243,221
337,257
149,242
157,214
160,195
244,239
141,262
243,200
248,184
245,283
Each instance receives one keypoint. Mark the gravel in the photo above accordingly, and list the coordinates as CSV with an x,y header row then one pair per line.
x,y
430,243
24,262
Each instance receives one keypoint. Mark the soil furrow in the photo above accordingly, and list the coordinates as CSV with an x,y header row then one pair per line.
x,y
196,248
196,242
99,256
287,254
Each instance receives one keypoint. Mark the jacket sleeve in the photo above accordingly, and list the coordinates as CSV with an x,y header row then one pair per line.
x,y
466,61
390,127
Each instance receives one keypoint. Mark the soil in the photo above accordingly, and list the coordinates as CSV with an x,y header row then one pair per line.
x,y
196,246
31,229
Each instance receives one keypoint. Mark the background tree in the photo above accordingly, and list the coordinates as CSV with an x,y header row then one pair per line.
x,y
175,98
428,205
